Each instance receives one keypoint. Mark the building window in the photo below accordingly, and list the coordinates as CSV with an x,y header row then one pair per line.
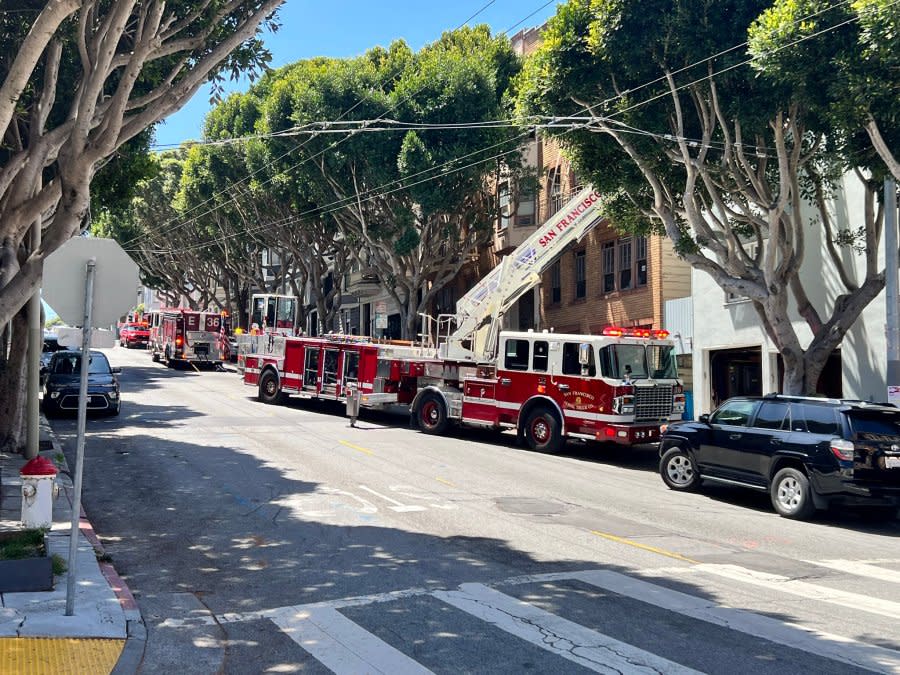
x,y
624,264
640,261
525,211
580,274
608,258
556,282
556,193
503,221
625,261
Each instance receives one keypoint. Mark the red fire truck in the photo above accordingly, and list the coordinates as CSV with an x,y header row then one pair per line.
x,y
187,336
618,386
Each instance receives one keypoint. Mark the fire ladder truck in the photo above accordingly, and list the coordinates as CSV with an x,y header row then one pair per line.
x,y
618,386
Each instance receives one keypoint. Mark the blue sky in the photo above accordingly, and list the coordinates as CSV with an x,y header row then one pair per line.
x,y
340,28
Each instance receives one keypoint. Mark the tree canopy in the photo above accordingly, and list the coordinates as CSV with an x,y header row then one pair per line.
x,y
669,121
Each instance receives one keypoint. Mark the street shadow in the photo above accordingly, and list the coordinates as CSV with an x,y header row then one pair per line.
x,y
201,529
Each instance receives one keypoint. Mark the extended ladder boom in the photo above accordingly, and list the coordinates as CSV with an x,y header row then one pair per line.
x,y
478,312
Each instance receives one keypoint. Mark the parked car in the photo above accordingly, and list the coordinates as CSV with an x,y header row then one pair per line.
x,y
807,453
51,346
134,334
61,380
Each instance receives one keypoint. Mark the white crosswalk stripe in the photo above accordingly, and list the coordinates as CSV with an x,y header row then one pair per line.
x,y
341,645
803,589
833,647
861,568
586,647
345,647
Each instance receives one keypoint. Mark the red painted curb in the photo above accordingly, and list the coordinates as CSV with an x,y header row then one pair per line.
x,y
119,587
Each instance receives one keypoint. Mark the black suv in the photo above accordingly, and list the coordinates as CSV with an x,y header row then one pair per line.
x,y
807,453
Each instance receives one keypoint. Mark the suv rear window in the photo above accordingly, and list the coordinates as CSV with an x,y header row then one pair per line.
x,y
883,423
819,419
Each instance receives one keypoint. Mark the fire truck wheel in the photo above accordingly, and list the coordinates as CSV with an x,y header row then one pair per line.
x,y
432,414
268,388
542,431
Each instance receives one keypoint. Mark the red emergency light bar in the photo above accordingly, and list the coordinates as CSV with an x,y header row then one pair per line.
x,y
616,331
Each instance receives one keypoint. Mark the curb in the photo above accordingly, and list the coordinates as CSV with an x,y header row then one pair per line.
x,y
136,632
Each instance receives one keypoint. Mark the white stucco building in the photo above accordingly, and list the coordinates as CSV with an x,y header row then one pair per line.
x,y
733,355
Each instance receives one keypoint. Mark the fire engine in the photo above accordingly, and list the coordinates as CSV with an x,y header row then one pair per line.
x,y
188,336
617,386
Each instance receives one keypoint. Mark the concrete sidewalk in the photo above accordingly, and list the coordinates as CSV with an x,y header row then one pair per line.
x,y
35,635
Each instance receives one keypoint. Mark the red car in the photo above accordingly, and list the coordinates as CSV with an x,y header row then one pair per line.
x,y
134,335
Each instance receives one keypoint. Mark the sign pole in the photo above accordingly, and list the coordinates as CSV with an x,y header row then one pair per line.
x,y
79,447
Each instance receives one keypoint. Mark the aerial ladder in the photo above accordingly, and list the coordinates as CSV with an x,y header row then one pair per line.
x,y
473,332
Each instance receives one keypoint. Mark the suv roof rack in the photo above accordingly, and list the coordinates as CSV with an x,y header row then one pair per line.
x,y
797,397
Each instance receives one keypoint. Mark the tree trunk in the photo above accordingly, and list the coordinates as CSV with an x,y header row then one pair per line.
x,y
12,387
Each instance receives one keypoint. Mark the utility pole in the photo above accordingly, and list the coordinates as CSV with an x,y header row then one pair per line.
x,y
892,292
35,347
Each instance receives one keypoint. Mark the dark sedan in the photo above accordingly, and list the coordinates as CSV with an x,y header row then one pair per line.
x,y
61,379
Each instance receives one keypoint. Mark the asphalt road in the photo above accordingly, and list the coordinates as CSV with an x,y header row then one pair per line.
x,y
278,539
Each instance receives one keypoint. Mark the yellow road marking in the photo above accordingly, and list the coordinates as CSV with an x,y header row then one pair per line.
x,y
445,482
645,547
356,447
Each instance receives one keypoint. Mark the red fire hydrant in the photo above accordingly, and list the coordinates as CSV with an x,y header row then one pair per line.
x,y
38,478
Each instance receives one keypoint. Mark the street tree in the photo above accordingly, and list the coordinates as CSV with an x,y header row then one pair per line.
x,y
80,79
418,201
685,139
849,78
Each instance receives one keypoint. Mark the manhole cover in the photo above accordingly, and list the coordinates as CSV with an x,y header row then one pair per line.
x,y
530,506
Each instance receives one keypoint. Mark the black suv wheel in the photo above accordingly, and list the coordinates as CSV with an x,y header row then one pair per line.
x,y
678,470
791,494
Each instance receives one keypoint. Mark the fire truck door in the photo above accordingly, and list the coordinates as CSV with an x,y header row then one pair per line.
x,y
349,370
330,372
311,369
577,386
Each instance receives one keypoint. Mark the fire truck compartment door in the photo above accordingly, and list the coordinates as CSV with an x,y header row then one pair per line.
x,y
478,402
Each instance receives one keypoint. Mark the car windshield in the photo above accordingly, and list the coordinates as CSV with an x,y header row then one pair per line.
x,y
70,364
872,423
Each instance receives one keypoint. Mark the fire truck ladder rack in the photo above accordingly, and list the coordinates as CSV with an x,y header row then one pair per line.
x,y
480,312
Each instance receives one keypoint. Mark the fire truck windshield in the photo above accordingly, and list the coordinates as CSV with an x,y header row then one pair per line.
x,y
636,361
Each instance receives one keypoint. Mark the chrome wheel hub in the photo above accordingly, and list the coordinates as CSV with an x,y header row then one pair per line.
x,y
680,470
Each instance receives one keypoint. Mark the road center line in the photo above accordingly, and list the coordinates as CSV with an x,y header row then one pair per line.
x,y
643,547
444,481
356,447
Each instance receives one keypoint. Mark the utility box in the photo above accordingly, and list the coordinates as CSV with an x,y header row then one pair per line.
x,y
38,478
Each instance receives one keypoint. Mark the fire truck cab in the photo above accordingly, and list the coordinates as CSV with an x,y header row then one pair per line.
x,y
618,387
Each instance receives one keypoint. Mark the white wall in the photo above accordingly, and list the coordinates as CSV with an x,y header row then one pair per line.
x,y
722,325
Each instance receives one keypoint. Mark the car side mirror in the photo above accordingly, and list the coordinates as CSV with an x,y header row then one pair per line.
x,y
116,370
704,418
